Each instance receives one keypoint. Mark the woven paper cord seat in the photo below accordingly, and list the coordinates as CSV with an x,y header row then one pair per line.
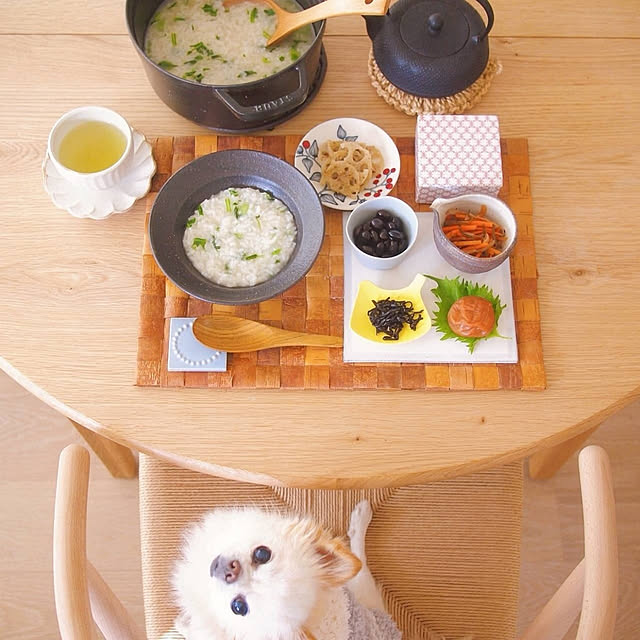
x,y
447,553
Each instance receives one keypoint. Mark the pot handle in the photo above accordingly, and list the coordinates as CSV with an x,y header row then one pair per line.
x,y
283,104
489,11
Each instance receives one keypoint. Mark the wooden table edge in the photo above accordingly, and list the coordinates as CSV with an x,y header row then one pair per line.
x,y
394,479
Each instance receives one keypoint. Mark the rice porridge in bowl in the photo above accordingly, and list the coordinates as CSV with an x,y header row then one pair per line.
x,y
240,237
202,41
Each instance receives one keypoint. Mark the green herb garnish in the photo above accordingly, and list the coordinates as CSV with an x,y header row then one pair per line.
x,y
227,204
172,5
199,210
193,75
239,236
447,292
259,223
253,256
233,192
266,34
198,242
165,64
281,58
270,12
207,8
174,39
253,15
159,23
213,241
293,54
269,195
217,37
276,252
190,222
266,60
243,208
277,262
178,19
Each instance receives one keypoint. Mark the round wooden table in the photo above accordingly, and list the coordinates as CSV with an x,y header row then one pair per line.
x,y
70,288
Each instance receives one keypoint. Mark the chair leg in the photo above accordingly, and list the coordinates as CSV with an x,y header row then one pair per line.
x,y
120,461
544,464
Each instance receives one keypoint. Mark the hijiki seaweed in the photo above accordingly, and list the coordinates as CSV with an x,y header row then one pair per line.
x,y
389,317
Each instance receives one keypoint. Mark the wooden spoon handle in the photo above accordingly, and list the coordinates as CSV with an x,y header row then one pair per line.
x,y
288,22
307,340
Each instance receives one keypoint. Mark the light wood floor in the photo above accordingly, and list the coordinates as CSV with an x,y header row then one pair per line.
x,y
32,435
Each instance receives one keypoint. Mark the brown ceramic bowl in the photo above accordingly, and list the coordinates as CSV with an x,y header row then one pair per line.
x,y
497,211
210,174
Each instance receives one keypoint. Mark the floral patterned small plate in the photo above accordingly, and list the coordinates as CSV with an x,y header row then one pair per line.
x,y
350,130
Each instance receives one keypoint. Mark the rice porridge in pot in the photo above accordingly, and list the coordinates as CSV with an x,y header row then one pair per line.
x,y
202,41
240,237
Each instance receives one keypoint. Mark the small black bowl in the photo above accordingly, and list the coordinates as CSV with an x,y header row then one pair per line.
x,y
206,176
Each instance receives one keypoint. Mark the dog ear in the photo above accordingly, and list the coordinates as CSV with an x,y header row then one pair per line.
x,y
337,563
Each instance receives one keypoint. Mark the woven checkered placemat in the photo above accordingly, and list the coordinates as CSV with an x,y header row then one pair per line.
x,y
315,304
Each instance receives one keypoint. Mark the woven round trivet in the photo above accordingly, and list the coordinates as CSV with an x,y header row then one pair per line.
x,y
415,105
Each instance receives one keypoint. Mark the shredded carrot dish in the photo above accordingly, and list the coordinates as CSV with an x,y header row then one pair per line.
x,y
474,233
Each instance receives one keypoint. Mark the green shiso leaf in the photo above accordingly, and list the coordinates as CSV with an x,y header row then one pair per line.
x,y
451,289
198,242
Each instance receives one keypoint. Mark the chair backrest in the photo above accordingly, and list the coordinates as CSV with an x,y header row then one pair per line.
x,y
82,597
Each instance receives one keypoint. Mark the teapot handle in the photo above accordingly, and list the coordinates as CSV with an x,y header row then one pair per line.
x,y
489,11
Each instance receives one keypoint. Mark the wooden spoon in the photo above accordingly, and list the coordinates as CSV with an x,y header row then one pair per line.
x,y
288,22
238,335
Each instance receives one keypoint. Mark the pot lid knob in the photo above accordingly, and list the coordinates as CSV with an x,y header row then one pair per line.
x,y
435,22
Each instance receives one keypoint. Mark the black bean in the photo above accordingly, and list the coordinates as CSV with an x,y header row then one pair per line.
x,y
374,235
379,249
384,214
395,234
366,235
384,234
367,249
377,223
393,247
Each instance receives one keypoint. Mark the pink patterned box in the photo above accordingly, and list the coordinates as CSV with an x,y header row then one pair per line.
x,y
457,155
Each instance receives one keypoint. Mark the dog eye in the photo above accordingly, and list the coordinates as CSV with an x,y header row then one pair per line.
x,y
261,555
239,606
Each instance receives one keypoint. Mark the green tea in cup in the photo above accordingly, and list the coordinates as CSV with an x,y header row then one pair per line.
x,y
91,146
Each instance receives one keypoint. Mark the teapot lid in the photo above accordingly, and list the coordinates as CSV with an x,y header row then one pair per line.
x,y
434,29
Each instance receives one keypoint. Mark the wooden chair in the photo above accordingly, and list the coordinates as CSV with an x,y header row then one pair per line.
x,y
447,554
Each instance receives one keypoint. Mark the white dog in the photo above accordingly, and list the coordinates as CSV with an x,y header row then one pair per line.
x,y
249,574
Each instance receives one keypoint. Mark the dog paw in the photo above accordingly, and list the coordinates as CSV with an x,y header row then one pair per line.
x,y
360,519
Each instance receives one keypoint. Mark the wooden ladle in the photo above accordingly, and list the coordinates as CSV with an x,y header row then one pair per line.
x,y
238,335
288,22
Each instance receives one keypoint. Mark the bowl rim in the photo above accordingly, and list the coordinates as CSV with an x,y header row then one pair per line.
x,y
192,288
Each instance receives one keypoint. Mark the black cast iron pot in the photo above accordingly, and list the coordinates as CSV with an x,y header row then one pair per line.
x,y
231,108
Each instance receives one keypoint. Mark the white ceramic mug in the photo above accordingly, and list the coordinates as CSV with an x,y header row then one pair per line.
x,y
106,178
366,211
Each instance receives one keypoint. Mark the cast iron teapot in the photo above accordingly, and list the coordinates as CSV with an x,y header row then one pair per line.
x,y
431,48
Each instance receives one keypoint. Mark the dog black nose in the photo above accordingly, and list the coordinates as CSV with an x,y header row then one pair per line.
x,y
225,569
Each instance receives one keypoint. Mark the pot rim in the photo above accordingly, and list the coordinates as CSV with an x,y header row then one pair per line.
x,y
253,83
